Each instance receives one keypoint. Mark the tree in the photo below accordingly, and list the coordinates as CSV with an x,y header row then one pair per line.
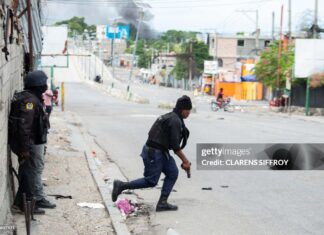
x,y
266,69
144,54
77,26
198,54
180,70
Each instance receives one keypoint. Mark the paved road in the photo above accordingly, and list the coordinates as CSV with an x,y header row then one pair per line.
x,y
258,202
253,203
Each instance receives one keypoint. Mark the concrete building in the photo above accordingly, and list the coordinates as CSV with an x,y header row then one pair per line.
x,y
11,79
228,50
164,62
103,48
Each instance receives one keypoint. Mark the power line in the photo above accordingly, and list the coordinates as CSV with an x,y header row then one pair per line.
x,y
126,5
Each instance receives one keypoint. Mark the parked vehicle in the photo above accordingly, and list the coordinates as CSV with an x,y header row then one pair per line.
x,y
98,79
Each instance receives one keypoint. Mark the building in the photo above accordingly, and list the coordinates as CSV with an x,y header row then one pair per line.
x,y
229,50
104,48
164,62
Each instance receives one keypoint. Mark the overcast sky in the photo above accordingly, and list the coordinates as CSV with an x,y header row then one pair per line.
x,y
222,16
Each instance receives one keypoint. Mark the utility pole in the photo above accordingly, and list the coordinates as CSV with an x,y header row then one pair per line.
x,y
289,20
190,65
257,32
273,26
141,15
112,49
279,55
315,28
290,76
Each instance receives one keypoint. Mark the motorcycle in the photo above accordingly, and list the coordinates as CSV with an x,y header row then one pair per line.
x,y
226,105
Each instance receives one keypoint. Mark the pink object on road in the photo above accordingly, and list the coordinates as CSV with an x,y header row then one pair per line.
x,y
124,206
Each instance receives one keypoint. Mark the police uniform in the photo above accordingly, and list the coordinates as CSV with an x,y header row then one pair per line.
x,y
29,118
166,134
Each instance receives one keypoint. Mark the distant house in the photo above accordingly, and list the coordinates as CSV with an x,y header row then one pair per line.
x,y
228,50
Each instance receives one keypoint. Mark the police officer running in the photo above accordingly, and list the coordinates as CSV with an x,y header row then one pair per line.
x,y
166,134
28,127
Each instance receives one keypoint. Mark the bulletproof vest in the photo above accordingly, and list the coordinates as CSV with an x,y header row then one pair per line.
x,y
158,133
16,121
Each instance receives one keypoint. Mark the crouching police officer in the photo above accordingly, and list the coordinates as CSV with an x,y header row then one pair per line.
x,y
166,134
28,126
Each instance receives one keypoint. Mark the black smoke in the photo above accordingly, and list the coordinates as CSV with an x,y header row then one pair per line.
x,y
130,12
103,14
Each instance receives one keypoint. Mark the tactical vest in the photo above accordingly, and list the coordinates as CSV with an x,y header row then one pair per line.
x,y
40,124
158,133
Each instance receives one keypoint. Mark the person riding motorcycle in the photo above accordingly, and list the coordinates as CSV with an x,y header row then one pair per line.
x,y
220,97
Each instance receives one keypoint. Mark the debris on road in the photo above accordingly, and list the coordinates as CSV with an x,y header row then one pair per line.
x,y
125,206
207,188
91,205
58,196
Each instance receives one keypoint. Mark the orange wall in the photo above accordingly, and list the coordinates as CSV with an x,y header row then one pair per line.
x,y
241,90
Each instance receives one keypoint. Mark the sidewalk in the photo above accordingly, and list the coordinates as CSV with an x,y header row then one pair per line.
x,y
67,173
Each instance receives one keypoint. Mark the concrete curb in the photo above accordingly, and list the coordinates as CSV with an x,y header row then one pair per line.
x,y
115,216
118,221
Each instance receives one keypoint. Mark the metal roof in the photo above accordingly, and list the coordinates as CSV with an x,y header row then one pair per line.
x,y
37,26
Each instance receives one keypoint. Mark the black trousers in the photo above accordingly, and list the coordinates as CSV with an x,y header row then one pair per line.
x,y
26,178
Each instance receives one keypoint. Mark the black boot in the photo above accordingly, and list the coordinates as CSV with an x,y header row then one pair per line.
x,y
163,205
118,188
43,203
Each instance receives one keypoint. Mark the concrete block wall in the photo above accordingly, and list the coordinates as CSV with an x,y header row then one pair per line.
x,y
10,80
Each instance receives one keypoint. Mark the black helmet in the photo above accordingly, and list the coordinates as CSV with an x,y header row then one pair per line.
x,y
35,79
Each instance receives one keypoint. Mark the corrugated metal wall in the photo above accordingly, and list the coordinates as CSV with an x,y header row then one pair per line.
x,y
37,29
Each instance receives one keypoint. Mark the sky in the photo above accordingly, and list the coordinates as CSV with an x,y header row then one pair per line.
x,y
222,16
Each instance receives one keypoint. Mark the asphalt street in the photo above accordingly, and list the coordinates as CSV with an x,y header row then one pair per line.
x,y
240,202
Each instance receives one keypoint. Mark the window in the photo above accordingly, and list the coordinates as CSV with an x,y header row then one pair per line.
x,y
220,62
240,43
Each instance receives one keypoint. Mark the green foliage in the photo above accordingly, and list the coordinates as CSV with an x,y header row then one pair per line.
x,y
199,55
266,69
144,54
77,26
175,37
181,70
173,41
